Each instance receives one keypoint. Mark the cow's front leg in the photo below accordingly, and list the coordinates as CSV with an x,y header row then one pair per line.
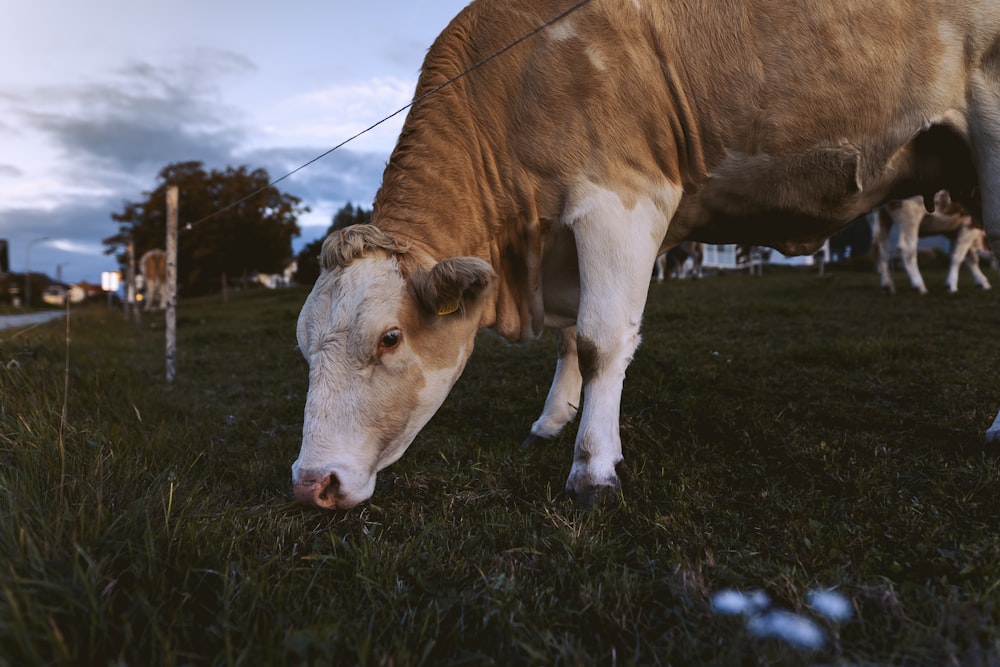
x,y
563,400
616,247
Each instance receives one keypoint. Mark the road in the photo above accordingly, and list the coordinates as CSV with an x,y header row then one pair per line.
x,y
27,319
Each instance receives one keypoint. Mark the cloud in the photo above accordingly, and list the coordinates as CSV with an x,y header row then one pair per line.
x,y
143,117
112,136
80,222
334,114
121,132
126,141
343,175
77,247
73,235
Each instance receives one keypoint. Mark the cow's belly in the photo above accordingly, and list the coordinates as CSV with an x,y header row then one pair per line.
x,y
941,225
560,278
795,202
791,232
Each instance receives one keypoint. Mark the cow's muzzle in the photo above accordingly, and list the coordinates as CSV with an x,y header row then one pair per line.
x,y
322,492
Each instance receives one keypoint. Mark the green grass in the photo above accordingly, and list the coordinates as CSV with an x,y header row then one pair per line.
x,y
783,433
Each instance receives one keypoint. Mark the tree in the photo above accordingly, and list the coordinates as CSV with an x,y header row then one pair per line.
x,y
308,258
254,235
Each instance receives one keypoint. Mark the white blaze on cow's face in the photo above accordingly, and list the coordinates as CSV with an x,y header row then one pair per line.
x,y
383,354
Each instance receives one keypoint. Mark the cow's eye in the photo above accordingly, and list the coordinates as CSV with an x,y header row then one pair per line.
x,y
389,340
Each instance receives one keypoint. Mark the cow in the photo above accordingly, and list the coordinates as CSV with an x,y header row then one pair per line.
x,y
278,280
555,147
912,222
673,260
153,268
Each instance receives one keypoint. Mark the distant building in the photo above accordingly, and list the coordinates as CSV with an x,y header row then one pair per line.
x,y
724,256
729,257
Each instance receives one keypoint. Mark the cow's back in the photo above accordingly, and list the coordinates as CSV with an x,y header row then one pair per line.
x,y
797,111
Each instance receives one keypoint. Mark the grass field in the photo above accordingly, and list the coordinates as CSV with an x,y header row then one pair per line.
x,y
787,433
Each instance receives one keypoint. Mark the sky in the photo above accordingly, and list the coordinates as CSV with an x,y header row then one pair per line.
x,y
97,97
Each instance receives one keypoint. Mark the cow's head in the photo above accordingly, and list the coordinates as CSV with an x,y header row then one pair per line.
x,y
386,332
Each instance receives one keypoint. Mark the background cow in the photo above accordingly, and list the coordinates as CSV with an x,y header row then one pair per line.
x,y
153,268
913,222
278,280
673,261
537,189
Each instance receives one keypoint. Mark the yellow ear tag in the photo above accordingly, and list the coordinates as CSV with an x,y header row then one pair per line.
x,y
448,308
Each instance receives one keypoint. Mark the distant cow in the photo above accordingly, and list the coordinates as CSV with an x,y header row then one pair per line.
x,y
672,262
536,188
153,267
277,280
913,221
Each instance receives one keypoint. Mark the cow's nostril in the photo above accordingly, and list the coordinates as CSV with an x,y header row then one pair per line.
x,y
327,497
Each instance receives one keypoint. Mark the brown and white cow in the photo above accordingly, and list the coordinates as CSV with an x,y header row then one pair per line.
x,y
538,189
153,267
913,221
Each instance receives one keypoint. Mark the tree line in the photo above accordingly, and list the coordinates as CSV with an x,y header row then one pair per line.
x,y
255,235
213,245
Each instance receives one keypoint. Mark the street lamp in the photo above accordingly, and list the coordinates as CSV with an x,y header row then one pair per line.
x,y
27,269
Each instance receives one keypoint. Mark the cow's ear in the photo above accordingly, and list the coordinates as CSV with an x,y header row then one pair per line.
x,y
453,285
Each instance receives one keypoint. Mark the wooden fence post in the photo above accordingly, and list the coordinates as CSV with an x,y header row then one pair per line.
x,y
132,302
129,278
172,205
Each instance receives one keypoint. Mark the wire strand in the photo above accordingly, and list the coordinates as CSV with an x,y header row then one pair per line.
x,y
531,33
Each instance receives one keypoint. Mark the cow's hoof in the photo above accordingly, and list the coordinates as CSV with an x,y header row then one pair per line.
x,y
535,441
599,495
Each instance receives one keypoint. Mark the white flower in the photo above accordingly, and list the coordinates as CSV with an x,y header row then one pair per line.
x,y
733,603
796,630
831,604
